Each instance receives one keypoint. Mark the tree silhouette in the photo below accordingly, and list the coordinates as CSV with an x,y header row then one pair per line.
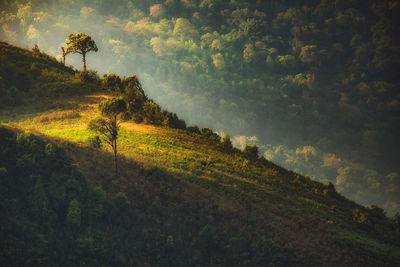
x,y
63,54
108,125
80,43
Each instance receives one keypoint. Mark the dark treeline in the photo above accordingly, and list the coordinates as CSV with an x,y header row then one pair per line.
x,y
52,215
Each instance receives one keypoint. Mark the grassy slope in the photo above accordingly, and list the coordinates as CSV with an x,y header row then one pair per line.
x,y
186,170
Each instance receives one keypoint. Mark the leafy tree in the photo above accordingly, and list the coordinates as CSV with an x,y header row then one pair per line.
x,y
208,133
80,43
218,60
248,53
251,151
184,29
108,125
308,54
226,142
134,97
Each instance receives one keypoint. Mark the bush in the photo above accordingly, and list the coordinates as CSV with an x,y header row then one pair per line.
x,y
171,120
209,134
152,113
227,143
251,152
87,76
112,83
193,129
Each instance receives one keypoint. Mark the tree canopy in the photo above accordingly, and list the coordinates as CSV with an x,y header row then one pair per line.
x,y
80,43
108,125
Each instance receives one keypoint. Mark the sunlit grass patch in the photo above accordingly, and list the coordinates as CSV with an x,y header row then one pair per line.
x,y
74,134
57,115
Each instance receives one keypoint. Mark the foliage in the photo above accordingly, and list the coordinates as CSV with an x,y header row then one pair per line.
x,y
362,183
184,199
226,142
251,151
317,72
88,76
112,82
108,127
209,134
80,43
139,107
112,107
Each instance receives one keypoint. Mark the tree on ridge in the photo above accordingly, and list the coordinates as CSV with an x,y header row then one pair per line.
x,y
80,43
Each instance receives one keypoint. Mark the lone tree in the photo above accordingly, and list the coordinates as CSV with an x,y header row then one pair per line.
x,y
108,125
80,43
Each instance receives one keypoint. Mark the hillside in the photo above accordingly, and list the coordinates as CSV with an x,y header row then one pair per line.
x,y
181,199
314,83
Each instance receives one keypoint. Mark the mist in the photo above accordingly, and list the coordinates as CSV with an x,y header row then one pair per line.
x,y
271,86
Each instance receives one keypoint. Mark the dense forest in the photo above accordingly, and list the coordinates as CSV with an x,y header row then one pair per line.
x,y
313,83
183,196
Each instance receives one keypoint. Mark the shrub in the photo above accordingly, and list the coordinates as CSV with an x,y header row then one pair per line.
x,y
227,143
193,129
251,152
112,83
87,76
152,113
209,134
171,120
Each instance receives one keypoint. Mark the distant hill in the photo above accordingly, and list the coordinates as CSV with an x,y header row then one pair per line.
x,y
182,199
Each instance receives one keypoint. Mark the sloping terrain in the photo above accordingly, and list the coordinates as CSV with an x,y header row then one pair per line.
x,y
181,198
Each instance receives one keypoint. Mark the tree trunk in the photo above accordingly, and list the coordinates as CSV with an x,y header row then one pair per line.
x,y
115,159
84,61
